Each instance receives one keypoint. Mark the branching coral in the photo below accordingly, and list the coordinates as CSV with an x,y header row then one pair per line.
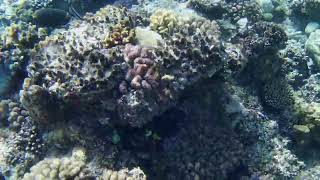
x,y
163,21
263,38
15,44
124,174
278,94
121,34
55,168
25,144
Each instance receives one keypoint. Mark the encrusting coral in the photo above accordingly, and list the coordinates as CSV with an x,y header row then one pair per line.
x,y
181,94
150,78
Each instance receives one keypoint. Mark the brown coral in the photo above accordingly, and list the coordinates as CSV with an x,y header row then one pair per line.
x,y
120,34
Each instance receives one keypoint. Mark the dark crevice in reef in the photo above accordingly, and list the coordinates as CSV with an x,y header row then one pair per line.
x,y
152,134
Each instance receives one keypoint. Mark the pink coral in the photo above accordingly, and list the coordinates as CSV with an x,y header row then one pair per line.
x,y
142,72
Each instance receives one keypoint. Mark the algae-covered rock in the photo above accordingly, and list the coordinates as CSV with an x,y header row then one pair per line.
x,y
308,128
311,27
148,38
313,46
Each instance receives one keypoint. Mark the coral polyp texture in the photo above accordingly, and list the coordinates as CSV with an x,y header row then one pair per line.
x,y
125,174
134,82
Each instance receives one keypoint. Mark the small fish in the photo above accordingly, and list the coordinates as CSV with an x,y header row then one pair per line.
x,y
51,17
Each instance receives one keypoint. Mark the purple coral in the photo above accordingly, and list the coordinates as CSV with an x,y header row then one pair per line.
x,y
142,72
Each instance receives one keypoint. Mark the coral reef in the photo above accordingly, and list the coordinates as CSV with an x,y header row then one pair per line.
x,y
312,46
263,38
15,45
277,94
187,161
197,89
228,10
55,168
163,21
106,70
310,173
134,174
312,8
307,128
121,33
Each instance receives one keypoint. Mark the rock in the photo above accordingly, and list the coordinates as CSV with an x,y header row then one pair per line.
x,y
311,27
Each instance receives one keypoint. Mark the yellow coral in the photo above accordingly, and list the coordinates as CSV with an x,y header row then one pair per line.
x,y
120,34
123,174
163,21
308,128
55,168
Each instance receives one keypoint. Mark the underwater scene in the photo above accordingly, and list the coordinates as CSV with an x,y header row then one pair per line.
x,y
159,89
